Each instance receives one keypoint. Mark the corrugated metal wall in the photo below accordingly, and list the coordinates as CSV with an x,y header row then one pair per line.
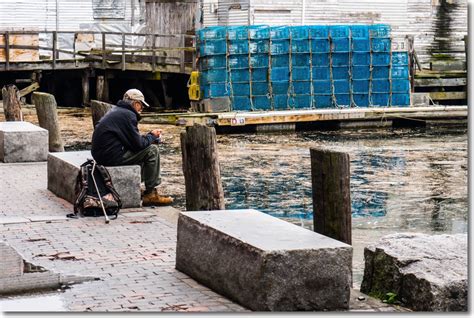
x,y
438,25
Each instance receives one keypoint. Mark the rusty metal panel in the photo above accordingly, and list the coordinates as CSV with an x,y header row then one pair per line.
x,y
233,12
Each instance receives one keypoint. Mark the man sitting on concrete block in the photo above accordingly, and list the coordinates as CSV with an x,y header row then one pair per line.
x,y
116,141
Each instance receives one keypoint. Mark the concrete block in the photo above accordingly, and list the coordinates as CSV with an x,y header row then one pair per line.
x,y
262,262
63,168
426,272
22,142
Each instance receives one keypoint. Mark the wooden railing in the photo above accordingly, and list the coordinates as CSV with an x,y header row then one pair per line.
x,y
150,48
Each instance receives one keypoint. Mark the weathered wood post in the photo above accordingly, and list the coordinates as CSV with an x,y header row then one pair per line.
x,y
201,169
410,39
46,110
99,109
11,103
102,88
330,176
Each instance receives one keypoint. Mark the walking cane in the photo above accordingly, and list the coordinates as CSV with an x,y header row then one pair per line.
x,y
99,195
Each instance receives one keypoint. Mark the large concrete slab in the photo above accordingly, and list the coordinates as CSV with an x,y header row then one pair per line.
x,y
262,262
21,141
426,272
63,168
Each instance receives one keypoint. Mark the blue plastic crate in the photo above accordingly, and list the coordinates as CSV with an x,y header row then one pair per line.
x,y
360,45
340,45
340,73
399,58
280,102
213,47
380,59
237,33
215,90
279,88
381,45
361,100
400,72
259,74
238,47
343,100
339,31
322,87
359,31
379,31
212,33
361,58
361,86
300,73
321,73
300,46
319,31
240,75
340,59
262,102
238,61
279,32
380,86
400,100
280,74
280,60
320,59
258,32
214,61
280,47
260,88
379,99
299,32
301,87
241,103
341,87
300,59
320,45
322,101
216,75
302,101
360,72
259,46
259,60
240,89
401,85
380,72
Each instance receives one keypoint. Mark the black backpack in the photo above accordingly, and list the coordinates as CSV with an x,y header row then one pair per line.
x,y
88,202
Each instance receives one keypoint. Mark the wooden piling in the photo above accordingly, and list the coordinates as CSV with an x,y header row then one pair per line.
x,y
46,109
201,169
330,176
85,88
102,88
11,103
99,109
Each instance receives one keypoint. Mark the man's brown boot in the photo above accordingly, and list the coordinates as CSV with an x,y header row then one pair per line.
x,y
153,198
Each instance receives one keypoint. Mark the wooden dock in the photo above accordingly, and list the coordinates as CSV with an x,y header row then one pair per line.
x,y
346,117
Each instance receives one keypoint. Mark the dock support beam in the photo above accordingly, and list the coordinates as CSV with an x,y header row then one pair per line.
x,y
330,176
85,88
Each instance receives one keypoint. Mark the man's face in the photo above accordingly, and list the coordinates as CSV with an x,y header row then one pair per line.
x,y
138,106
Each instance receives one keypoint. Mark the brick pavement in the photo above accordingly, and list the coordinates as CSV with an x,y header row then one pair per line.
x,y
133,257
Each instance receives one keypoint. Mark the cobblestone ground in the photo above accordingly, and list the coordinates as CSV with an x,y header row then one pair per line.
x,y
133,257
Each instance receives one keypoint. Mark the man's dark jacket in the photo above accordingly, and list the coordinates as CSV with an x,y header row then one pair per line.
x,y
116,133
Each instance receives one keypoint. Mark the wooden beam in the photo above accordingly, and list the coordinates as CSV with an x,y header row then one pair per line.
x,y
55,45
447,95
440,82
29,89
7,50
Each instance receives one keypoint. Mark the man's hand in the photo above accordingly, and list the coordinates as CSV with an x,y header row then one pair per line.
x,y
156,133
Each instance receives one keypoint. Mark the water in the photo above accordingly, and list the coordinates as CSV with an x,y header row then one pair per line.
x,y
402,180
34,302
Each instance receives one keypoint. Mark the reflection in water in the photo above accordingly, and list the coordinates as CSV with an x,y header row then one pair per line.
x,y
409,179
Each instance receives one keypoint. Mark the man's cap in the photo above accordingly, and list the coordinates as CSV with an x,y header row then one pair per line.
x,y
135,94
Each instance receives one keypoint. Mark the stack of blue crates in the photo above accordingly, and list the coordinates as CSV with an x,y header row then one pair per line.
x,y
302,67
